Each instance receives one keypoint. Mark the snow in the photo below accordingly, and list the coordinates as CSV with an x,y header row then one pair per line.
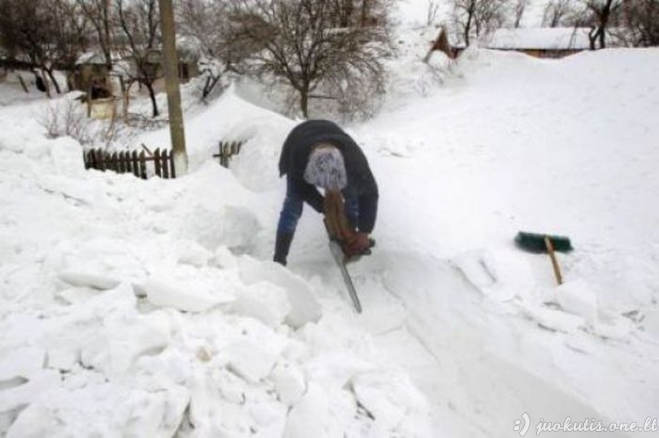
x,y
549,38
12,92
304,305
91,58
164,295
151,308
577,298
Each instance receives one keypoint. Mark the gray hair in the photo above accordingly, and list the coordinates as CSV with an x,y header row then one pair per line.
x,y
326,168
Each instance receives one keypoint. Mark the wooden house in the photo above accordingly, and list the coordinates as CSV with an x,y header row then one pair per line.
x,y
92,73
541,42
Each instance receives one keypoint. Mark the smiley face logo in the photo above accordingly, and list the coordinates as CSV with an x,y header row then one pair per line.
x,y
522,424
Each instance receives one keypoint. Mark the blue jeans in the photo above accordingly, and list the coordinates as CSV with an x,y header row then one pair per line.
x,y
292,210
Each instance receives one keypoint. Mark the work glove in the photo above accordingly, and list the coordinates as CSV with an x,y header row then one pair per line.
x,y
353,243
358,246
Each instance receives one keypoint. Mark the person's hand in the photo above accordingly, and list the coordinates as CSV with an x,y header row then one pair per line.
x,y
353,243
360,244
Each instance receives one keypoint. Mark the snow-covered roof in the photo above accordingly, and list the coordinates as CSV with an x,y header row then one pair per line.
x,y
90,58
189,48
188,51
97,57
539,38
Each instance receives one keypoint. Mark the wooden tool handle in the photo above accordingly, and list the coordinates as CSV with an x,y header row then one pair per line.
x,y
554,262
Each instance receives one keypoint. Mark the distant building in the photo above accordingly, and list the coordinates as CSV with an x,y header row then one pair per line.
x,y
540,42
189,54
92,73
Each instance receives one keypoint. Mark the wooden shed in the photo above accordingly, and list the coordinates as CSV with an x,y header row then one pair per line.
x,y
92,73
189,53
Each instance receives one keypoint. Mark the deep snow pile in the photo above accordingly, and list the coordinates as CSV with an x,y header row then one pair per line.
x,y
131,308
566,147
149,308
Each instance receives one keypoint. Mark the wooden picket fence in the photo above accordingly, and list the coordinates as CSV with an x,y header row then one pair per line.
x,y
132,162
227,150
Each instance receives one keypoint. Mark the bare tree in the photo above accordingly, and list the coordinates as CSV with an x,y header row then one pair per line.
x,y
640,19
140,23
99,15
476,18
432,11
308,46
344,11
518,8
203,20
71,36
597,15
558,13
206,22
48,33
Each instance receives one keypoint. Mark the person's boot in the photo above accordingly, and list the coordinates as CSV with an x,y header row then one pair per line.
x,y
282,245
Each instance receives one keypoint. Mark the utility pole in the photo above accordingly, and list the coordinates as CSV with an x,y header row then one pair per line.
x,y
173,91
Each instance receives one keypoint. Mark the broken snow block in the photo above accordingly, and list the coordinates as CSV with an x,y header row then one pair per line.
x,y
266,302
191,253
553,319
249,360
305,307
90,279
289,383
577,298
310,417
165,295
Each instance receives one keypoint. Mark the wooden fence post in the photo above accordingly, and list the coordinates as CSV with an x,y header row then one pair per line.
x,y
120,162
226,150
101,159
166,156
127,164
143,165
135,164
113,164
225,154
156,161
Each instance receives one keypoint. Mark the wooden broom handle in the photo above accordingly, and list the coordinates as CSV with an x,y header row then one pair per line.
x,y
554,262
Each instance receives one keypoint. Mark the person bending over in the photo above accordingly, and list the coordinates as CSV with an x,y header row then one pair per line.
x,y
319,154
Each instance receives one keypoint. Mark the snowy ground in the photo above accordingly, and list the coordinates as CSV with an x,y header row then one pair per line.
x,y
149,308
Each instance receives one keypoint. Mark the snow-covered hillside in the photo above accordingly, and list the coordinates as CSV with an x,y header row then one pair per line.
x,y
150,308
